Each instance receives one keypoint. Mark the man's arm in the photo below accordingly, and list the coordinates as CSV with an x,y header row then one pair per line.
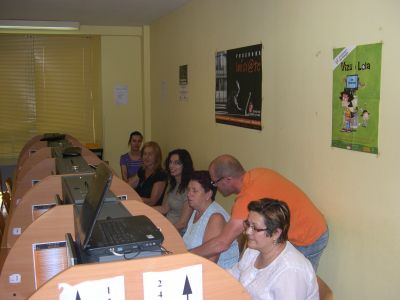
x,y
221,242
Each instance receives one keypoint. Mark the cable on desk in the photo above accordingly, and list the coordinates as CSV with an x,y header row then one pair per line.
x,y
116,253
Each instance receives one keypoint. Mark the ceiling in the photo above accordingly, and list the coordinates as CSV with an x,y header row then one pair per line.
x,y
90,12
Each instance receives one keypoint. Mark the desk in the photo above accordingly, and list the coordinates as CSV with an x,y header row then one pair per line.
x,y
51,227
217,283
31,161
41,170
35,144
44,193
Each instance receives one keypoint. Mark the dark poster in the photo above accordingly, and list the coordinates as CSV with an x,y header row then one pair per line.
x,y
238,87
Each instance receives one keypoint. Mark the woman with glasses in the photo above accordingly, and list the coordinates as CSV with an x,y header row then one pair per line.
x,y
271,267
175,207
208,218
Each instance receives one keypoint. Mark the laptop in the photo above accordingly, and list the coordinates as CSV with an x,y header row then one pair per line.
x,y
52,136
75,188
118,237
72,165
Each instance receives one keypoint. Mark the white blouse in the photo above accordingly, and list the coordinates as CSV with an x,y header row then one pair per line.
x,y
289,276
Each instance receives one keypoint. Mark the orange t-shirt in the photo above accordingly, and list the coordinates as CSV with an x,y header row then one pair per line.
x,y
307,223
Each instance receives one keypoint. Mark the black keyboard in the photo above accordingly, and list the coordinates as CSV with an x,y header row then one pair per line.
x,y
115,232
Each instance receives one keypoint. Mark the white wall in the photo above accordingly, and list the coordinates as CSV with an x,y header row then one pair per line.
x,y
121,65
357,192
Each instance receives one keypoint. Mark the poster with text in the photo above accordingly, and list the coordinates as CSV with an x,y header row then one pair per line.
x,y
238,87
355,99
183,83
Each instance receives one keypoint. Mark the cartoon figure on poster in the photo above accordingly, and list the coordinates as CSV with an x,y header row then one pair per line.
x,y
350,104
365,117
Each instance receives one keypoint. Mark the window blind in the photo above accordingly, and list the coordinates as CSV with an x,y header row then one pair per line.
x,y
47,84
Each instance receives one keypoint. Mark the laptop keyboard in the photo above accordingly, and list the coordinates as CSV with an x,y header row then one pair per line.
x,y
115,232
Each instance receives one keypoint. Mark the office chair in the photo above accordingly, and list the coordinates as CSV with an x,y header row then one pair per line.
x,y
2,207
325,293
3,251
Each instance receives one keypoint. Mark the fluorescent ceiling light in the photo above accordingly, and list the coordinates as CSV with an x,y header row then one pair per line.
x,y
52,25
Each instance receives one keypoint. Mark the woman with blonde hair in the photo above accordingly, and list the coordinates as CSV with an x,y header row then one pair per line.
x,y
151,178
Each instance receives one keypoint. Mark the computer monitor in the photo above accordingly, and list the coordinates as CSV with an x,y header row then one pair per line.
x,y
92,204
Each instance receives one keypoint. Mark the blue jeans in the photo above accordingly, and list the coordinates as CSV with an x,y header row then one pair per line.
x,y
314,251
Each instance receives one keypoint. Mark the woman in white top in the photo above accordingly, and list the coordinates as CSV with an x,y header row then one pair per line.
x,y
271,268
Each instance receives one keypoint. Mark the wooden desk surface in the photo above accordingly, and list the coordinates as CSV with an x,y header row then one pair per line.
x,y
32,160
42,169
217,283
51,227
35,143
39,171
44,193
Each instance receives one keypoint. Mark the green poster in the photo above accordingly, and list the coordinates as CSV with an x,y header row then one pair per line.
x,y
355,99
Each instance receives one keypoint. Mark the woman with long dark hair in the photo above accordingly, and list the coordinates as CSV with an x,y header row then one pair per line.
x,y
179,166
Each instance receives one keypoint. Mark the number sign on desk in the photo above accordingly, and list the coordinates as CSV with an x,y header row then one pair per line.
x,y
184,283
103,289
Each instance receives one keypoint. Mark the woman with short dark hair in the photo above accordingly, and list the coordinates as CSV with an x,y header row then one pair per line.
x,y
208,218
271,267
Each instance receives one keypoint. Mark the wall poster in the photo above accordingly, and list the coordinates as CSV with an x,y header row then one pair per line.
x,y
238,87
183,83
356,96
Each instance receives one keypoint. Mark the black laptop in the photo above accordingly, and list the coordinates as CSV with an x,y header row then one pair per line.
x,y
72,165
52,137
124,236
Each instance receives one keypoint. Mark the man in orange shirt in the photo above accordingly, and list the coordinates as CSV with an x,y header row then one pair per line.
x,y
308,231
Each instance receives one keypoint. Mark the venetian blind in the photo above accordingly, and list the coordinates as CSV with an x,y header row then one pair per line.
x,y
47,84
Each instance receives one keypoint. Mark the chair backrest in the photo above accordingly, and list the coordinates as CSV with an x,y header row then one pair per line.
x,y
325,293
3,251
9,185
2,225
1,182
6,202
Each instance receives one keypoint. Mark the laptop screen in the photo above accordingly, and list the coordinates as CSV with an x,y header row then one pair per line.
x,y
53,136
93,202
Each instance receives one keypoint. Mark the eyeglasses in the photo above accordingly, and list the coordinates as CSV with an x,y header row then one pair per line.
x,y
247,225
214,183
